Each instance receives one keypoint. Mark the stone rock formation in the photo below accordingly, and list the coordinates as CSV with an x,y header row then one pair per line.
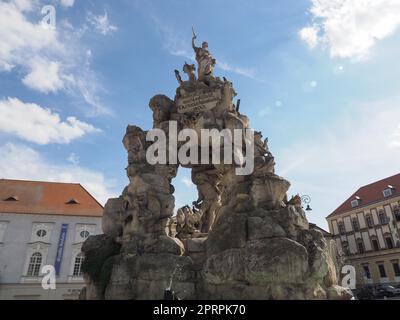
x,y
241,239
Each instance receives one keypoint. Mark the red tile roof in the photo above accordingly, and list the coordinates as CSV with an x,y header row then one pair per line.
x,y
33,197
370,194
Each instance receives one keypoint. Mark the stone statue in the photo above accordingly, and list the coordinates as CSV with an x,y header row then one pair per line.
x,y
206,62
187,223
242,239
189,69
178,77
209,199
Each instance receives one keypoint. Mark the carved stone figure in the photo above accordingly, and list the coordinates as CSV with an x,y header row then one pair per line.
x,y
187,223
190,69
209,199
178,77
206,62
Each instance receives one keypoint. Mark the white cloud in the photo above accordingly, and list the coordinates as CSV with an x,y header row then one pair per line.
x,y
246,72
68,3
20,38
362,147
101,23
310,35
48,60
33,123
44,76
187,182
24,5
350,28
22,162
73,158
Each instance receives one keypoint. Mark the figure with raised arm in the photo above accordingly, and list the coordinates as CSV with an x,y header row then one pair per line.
x,y
204,58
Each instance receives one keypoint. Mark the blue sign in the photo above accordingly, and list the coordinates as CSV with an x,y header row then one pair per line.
x,y
60,248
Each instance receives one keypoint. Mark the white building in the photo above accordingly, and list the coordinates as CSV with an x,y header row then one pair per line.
x,y
41,224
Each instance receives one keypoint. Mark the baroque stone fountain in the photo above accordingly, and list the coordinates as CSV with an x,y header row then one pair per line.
x,y
242,239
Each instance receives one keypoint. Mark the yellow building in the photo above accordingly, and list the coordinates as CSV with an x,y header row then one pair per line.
x,y
366,229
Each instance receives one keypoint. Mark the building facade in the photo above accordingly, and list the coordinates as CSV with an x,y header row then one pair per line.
x,y
366,229
44,224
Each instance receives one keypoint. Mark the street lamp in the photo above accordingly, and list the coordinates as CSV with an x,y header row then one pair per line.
x,y
306,200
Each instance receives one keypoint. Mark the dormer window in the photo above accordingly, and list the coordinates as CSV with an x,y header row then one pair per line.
x,y
356,202
388,191
72,201
12,198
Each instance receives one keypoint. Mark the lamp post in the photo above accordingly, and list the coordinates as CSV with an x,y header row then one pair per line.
x,y
306,200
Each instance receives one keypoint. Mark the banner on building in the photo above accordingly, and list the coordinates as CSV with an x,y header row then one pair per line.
x,y
60,248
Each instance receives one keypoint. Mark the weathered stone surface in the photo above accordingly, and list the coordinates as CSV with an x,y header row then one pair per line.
x,y
161,267
292,219
279,260
336,292
120,286
229,232
113,217
269,191
195,245
154,289
264,227
225,267
166,244
97,250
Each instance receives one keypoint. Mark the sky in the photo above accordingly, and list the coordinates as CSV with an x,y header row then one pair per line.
x,y
319,78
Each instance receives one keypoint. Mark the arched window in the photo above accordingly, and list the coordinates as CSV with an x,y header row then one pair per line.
x,y
78,265
34,265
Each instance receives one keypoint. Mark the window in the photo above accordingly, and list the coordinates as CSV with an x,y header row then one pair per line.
x,y
12,198
35,263
72,201
396,212
78,265
355,203
345,246
387,192
389,242
83,231
360,245
355,224
84,234
382,271
375,244
341,227
382,218
41,233
3,227
367,273
396,269
370,222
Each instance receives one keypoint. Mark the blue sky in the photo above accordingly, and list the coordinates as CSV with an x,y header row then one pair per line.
x,y
321,79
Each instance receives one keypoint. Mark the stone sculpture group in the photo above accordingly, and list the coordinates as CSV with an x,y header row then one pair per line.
x,y
241,239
